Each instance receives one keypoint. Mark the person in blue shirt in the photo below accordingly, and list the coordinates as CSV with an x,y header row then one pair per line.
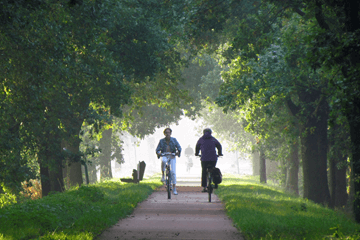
x,y
169,144
207,144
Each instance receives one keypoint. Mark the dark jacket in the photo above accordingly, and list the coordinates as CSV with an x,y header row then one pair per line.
x,y
207,145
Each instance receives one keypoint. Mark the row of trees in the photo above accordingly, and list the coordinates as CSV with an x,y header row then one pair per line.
x,y
69,63
77,73
143,118
290,73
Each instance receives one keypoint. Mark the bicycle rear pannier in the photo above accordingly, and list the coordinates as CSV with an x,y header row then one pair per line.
x,y
217,176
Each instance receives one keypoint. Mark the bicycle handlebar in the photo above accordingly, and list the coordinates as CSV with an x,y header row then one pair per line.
x,y
216,155
167,153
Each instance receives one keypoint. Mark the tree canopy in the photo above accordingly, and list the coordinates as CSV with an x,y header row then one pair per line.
x,y
287,70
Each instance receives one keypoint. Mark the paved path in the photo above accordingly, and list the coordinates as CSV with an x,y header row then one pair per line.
x,y
187,215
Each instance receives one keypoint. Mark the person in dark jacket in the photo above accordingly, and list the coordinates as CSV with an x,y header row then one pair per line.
x,y
207,144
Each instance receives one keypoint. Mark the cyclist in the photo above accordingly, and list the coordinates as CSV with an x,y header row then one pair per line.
x,y
168,144
188,153
208,145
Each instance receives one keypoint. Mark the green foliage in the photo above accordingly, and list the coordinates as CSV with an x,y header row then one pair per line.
x,y
228,127
263,212
211,23
7,199
147,119
211,82
201,81
63,63
79,213
160,103
336,45
261,86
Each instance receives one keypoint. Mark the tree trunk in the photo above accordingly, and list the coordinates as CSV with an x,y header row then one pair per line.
x,y
56,174
292,180
51,163
314,148
284,173
349,63
350,202
55,157
74,166
352,26
332,178
354,123
262,166
72,145
337,165
272,169
256,163
92,172
105,156
312,120
73,122
44,178
340,190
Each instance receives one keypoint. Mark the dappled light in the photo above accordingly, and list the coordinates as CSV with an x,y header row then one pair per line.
x,y
94,93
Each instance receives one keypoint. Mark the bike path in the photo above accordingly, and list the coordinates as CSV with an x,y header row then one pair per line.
x,y
187,215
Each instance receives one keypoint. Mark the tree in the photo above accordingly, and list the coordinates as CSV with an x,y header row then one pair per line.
x,y
277,75
333,39
73,61
339,40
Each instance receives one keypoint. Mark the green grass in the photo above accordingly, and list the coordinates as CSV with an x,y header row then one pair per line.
x,y
260,211
79,213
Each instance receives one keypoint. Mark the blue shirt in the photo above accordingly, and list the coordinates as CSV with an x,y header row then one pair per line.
x,y
173,144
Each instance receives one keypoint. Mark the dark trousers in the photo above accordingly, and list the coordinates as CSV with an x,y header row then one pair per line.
x,y
204,166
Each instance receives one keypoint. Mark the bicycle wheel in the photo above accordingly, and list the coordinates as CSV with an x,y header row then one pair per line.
x,y
168,183
209,186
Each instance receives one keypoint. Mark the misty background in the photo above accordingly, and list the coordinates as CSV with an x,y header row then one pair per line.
x,y
187,132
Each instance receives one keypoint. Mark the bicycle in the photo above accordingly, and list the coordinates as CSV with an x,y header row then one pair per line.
x,y
210,186
168,179
189,163
209,176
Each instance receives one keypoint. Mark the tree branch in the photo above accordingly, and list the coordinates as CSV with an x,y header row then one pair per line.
x,y
298,11
292,107
320,16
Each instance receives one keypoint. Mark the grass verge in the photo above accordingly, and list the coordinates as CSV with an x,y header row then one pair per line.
x,y
260,211
80,213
